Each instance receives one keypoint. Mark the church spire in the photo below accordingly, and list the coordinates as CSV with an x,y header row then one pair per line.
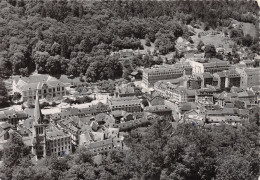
x,y
37,110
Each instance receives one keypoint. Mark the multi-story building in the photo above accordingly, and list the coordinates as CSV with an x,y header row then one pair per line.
x,y
46,87
6,131
12,117
128,104
161,110
107,145
204,96
69,112
125,91
213,66
58,142
71,127
47,139
217,66
194,82
249,77
206,79
152,75
247,96
174,92
232,78
220,78
247,63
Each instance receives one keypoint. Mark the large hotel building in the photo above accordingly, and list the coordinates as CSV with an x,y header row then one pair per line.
x,y
150,76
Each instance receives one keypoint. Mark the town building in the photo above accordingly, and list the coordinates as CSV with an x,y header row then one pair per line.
x,y
204,96
44,85
128,104
206,79
232,78
219,80
124,91
217,66
160,110
106,145
249,77
152,75
128,125
12,117
6,131
69,112
247,63
174,92
58,142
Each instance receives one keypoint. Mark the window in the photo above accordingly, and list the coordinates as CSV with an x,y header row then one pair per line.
x,y
44,91
6,136
53,89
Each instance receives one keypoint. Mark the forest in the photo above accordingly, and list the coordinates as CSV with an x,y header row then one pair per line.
x,y
73,38
187,152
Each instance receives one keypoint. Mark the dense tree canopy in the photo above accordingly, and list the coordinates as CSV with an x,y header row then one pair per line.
x,y
67,37
156,152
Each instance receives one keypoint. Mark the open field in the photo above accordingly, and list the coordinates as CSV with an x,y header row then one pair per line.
x,y
217,40
248,28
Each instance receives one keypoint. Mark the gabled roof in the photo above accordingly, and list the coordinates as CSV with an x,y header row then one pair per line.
x,y
33,78
118,113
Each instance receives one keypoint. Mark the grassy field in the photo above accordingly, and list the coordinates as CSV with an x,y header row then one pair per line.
x,y
248,28
217,41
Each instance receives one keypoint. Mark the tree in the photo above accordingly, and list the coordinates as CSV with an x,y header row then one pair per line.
x,y
200,45
147,42
17,96
210,51
15,154
237,166
3,94
247,40
53,66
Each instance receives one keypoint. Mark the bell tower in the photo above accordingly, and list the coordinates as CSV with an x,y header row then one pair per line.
x,y
39,131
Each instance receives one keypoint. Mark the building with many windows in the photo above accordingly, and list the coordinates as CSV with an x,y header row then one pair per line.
x,y
212,66
249,77
174,92
128,104
57,142
232,78
46,86
152,75
161,110
12,117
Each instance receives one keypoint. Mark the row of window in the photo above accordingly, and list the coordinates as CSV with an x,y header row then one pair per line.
x,y
50,90
106,148
60,149
30,92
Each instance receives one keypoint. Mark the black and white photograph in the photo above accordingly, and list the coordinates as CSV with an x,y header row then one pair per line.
x,y
129,90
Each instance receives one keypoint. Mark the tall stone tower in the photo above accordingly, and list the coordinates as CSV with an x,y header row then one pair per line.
x,y
39,131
